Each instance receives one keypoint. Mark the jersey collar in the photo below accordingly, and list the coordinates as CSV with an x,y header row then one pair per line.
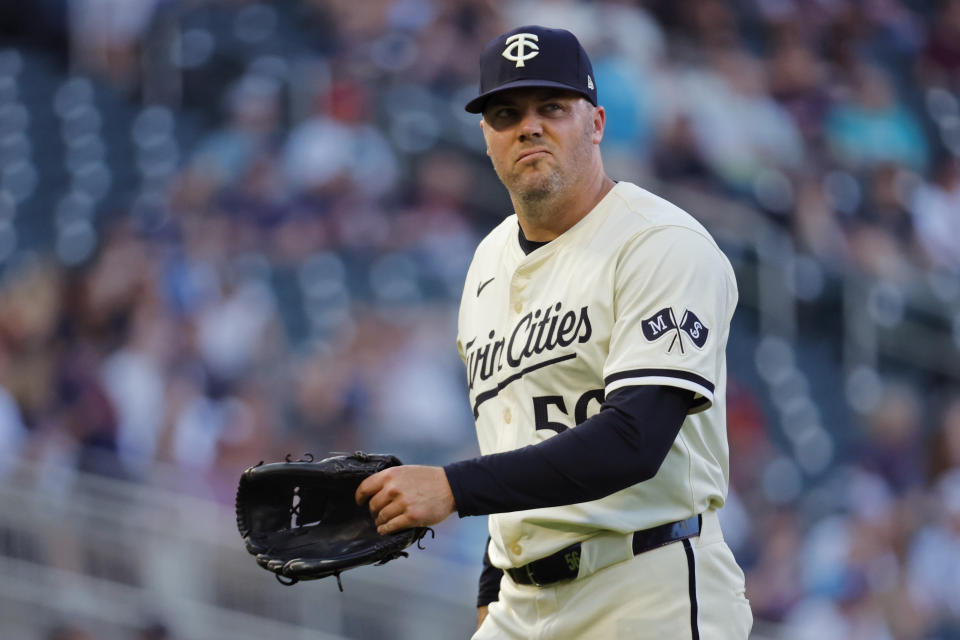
x,y
584,226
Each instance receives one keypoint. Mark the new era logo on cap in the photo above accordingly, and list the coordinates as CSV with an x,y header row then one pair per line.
x,y
534,56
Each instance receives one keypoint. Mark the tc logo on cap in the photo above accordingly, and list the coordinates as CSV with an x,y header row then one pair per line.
x,y
517,44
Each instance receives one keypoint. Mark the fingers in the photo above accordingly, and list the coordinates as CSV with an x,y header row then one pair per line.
x,y
399,523
380,501
370,486
388,512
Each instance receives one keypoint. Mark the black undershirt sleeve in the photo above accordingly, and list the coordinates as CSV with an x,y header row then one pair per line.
x,y
625,443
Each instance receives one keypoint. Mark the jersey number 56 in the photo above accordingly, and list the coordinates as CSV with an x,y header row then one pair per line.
x,y
541,409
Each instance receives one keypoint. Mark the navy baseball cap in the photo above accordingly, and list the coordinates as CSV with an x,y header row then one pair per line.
x,y
534,56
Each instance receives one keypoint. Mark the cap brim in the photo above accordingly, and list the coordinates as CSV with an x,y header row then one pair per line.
x,y
476,105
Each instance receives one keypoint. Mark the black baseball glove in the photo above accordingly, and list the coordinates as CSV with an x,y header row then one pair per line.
x,y
299,518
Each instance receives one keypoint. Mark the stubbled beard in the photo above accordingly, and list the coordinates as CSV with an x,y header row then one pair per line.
x,y
539,190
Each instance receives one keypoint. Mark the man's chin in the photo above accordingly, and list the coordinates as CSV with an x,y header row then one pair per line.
x,y
533,188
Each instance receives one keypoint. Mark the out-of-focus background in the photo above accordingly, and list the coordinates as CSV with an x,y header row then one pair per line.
x,y
232,230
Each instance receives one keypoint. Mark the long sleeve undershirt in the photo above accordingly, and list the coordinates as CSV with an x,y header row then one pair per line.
x,y
625,443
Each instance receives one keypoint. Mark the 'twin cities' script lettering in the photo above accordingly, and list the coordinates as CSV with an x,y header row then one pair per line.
x,y
538,331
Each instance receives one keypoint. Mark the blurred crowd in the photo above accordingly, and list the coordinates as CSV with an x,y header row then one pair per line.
x,y
290,284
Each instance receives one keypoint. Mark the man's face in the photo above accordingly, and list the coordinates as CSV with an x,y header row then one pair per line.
x,y
540,139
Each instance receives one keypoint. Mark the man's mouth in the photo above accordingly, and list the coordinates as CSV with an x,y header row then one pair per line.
x,y
532,154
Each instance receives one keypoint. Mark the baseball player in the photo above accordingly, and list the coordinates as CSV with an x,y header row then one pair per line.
x,y
593,325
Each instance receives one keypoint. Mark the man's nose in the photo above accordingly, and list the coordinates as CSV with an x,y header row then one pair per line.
x,y
531,125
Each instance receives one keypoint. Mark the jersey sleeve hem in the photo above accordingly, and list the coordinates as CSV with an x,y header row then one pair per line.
x,y
702,387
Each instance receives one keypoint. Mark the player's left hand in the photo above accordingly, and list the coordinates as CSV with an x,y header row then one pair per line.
x,y
407,496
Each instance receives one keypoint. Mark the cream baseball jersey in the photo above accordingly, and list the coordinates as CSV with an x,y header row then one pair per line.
x,y
636,293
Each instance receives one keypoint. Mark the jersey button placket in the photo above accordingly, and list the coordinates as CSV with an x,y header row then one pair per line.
x,y
507,416
517,285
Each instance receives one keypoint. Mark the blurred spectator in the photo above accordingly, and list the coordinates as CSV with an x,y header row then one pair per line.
x,y
885,205
869,125
934,568
237,330
251,428
739,129
134,379
329,402
251,129
848,563
575,16
678,158
13,433
706,24
941,57
881,236
936,213
69,632
154,631
30,308
893,439
817,227
460,25
436,227
628,98
773,584
339,148
798,82
200,427
429,424
944,446
83,413
747,432
105,36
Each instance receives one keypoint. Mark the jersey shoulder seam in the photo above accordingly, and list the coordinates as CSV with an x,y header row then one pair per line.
x,y
632,207
704,235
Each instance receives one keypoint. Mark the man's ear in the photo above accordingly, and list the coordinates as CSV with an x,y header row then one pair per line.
x,y
483,128
599,122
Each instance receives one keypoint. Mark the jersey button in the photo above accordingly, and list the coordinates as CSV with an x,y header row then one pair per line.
x,y
517,307
516,549
507,416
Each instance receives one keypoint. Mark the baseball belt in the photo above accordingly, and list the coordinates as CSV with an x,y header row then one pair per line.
x,y
565,564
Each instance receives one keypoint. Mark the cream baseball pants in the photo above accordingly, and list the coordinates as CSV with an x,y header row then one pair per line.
x,y
687,590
